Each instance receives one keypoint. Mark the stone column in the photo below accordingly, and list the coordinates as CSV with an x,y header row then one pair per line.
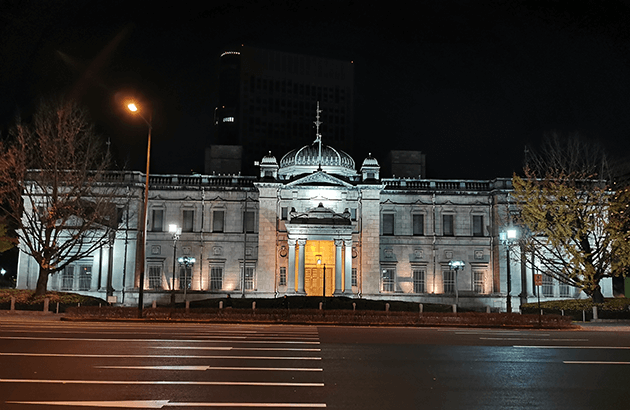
x,y
347,289
301,262
291,270
338,267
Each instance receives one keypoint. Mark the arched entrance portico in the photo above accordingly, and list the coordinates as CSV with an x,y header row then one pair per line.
x,y
324,236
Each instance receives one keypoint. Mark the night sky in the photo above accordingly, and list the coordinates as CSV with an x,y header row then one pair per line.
x,y
469,83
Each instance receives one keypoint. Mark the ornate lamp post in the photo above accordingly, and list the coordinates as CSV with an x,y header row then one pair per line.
x,y
142,229
508,238
176,231
187,263
319,262
456,266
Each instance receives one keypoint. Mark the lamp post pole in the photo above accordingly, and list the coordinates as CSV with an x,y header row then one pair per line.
x,y
142,231
187,263
456,266
508,237
176,231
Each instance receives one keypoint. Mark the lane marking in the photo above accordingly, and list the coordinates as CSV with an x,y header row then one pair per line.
x,y
591,362
163,382
158,404
574,347
154,356
275,349
533,338
204,368
226,340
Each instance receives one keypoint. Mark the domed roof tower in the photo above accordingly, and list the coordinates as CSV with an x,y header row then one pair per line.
x,y
316,157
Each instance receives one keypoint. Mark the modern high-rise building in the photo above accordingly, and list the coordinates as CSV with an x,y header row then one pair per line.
x,y
266,104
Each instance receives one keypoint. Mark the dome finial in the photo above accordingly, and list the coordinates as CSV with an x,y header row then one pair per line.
x,y
318,136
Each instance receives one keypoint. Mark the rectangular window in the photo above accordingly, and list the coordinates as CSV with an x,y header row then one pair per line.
x,y
388,279
248,221
448,281
249,278
419,284
283,276
217,221
478,282
284,213
447,225
185,277
189,218
85,277
67,278
565,290
353,214
477,225
354,277
418,224
388,224
216,278
157,220
155,277
547,286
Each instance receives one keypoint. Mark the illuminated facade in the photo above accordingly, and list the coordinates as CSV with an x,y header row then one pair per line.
x,y
308,224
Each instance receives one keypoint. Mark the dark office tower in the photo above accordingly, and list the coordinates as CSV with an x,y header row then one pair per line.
x,y
267,100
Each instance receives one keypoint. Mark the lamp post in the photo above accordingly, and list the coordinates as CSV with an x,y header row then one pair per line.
x,y
319,262
508,237
456,266
142,231
187,262
176,231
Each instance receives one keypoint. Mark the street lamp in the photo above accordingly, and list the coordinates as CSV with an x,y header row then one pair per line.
x,y
187,262
455,266
508,238
319,262
143,221
176,231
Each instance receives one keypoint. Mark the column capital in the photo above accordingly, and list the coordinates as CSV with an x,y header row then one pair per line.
x,y
339,242
292,242
301,242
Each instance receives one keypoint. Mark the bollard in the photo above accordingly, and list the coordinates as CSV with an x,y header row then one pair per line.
x,y
595,313
454,308
57,308
321,305
420,308
562,312
253,305
99,305
354,306
12,302
220,304
154,304
386,307
487,309
541,312
46,303
583,315
187,304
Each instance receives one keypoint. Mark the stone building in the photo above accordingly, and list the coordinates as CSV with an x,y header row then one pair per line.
x,y
310,224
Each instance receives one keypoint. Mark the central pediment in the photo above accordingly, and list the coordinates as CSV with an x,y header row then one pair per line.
x,y
319,178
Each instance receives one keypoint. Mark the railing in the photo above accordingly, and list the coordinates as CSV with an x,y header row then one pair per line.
x,y
445,185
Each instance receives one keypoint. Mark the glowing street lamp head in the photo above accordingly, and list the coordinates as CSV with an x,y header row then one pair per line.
x,y
132,107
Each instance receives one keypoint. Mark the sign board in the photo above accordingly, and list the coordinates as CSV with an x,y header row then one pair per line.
x,y
111,299
538,279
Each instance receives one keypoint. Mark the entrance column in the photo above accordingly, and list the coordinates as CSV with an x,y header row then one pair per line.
x,y
291,272
348,269
301,262
338,260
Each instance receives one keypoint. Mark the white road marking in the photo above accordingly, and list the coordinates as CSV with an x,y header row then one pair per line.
x,y
591,362
158,404
221,340
144,356
574,347
163,382
279,349
533,338
204,368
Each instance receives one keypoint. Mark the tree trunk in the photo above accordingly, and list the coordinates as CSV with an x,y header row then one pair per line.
x,y
42,282
597,295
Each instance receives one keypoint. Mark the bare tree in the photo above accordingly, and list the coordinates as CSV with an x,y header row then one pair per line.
x,y
572,215
53,176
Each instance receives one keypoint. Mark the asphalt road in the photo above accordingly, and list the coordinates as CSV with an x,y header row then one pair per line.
x,y
53,365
